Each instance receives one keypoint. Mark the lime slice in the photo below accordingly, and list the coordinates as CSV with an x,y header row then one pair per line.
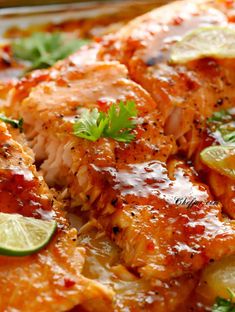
x,y
21,236
210,41
221,159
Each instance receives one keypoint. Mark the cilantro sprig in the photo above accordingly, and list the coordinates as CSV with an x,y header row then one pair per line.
x,y
224,122
17,124
224,305
42,49
117,123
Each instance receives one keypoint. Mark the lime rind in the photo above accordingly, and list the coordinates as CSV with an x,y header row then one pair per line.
x,y
209,41
21,236
217,158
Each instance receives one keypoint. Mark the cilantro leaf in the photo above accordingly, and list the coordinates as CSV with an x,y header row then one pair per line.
x,y
120,122
224,122
223,305
90,126
117,123
17,124
219,116
42,50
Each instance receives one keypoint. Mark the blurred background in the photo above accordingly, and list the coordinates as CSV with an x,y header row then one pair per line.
x,y
14,3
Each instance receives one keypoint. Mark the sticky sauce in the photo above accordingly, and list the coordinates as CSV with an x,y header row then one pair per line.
x,y
151,179
158,50
19,193
132,293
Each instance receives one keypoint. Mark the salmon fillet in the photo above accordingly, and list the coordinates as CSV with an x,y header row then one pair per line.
x,y
51,279
186,95
131,291
137,192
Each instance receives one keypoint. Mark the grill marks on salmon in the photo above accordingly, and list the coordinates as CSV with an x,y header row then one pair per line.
x,y
135,190
51,279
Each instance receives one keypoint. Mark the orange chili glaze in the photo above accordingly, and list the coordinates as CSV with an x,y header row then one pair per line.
x,y
19,191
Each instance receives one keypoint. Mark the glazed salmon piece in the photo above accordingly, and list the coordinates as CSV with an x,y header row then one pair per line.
x,y
185,94
51,279
168,222
139,196
131,291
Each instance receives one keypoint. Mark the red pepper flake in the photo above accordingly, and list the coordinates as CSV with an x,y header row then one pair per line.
x,y
103,105
68,282
231,18
139,133
177,21
229,3
98,39
198,229
61,82
150,246
7,48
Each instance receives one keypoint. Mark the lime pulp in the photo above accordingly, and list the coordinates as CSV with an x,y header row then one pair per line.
x,y
21,236
209,41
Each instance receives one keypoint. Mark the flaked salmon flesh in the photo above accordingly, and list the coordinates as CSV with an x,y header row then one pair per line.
x,y
132,189
145,195
50,280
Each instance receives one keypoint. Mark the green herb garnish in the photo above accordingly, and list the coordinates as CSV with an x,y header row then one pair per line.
x,y
117,123
229,137
42,50
224,305
220,116
17,124
224,122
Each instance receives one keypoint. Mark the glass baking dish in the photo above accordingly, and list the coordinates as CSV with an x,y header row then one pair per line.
x,y
31,15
